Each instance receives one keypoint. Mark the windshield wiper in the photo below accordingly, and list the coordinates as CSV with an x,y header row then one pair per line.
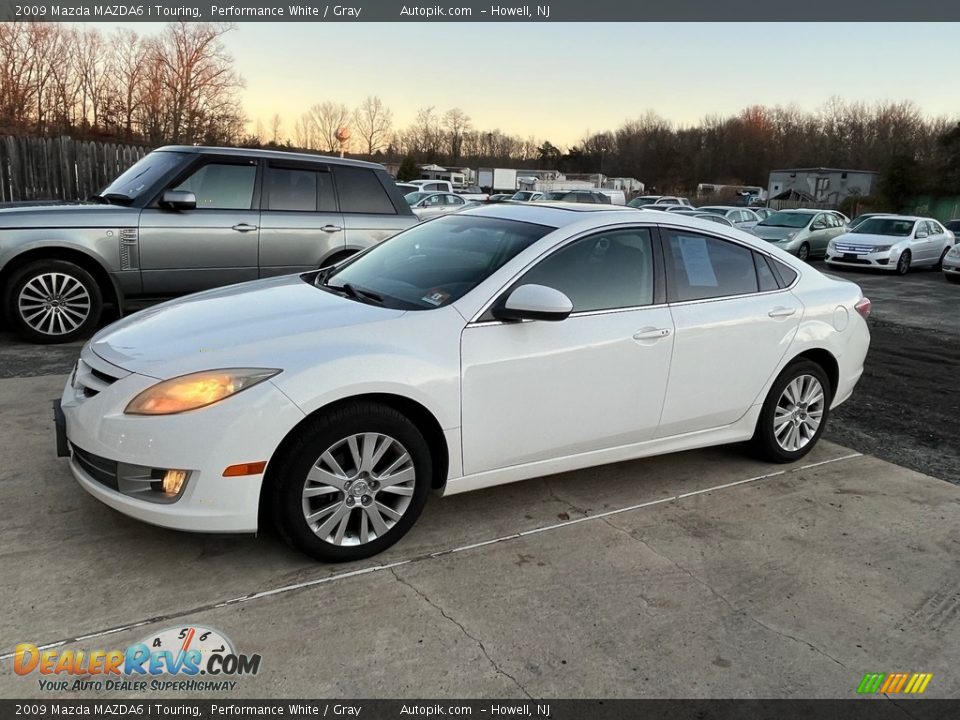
x,y
356,293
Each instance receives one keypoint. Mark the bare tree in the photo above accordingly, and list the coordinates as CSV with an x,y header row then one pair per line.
x,y
275,123
327,118
373,121
457,123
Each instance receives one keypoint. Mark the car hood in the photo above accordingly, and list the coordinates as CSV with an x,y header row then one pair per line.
x,y
255,324
75,215
772,232
868,240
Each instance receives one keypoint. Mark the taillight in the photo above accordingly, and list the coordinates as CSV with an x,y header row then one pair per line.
x,y
863,307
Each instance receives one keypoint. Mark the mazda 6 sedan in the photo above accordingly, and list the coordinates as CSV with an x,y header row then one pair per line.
x,y
497,344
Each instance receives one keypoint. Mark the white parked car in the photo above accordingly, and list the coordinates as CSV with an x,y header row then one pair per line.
x,y
506,342
743,218
430,204
891,242
951,264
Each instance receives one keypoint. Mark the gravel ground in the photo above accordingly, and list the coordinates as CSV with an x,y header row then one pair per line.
x,y
905,409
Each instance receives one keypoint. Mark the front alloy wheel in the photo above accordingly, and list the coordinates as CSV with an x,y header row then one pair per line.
x,y
53,301
803,252
351,482
903,264
358,489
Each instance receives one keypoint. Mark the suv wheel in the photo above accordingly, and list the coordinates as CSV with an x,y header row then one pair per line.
x,y
53,301
352,483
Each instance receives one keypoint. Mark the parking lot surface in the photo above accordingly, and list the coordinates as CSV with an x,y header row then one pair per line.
x,y
704,574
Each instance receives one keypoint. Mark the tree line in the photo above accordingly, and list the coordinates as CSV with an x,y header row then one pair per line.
x,y
180,86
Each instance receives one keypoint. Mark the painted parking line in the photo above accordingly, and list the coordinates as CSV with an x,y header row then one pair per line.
x,y
306,584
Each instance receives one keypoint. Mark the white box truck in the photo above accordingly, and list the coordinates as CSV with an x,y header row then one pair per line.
x,y
497,180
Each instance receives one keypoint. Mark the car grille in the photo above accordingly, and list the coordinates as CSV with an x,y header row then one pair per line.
x,y
852,248
93,375
102,470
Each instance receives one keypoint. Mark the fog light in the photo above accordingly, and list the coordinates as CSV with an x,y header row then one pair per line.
x,y
173,481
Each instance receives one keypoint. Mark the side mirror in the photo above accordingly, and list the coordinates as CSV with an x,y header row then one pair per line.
x,y
534,302
179,200
921,234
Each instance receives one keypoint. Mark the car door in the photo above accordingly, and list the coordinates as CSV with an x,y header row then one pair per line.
x,y
453,203
944,240
748,219
300,225
927,247
733,324
217,243
820,234
537,390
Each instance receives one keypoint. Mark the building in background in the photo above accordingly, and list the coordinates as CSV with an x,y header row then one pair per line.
x,y
820,186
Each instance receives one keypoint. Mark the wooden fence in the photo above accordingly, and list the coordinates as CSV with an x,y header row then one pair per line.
x,y
37,168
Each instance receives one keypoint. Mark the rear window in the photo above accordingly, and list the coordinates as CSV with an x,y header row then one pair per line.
x,y
360,191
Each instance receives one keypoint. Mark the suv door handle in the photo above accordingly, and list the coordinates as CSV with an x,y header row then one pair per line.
x,y
651,333
244,227
331,228
782,312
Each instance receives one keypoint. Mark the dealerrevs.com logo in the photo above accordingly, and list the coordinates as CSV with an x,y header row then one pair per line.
x,y
192,658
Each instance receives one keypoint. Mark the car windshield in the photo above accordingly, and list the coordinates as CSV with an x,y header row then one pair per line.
x,y
435,263
415,197
142,175
884,226
788,220
645,200
522,196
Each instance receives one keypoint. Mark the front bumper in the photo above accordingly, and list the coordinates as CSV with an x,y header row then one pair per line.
x,y
951,266
883,260
103,441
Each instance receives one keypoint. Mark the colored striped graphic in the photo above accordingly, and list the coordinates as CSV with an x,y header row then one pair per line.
x,y
893,683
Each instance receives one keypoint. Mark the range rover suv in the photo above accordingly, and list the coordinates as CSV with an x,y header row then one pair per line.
x,y
184,219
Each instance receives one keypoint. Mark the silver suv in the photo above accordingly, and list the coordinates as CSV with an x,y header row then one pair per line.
x,y
184,219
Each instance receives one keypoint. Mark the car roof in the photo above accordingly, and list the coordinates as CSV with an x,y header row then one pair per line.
x,y
268,154
553,214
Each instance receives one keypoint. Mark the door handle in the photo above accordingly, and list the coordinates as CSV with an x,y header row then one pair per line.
x,y
782,312
331,228
651,333
244,227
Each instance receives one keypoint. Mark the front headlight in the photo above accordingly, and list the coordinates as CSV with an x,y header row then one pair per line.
x,y
881,248
791,235
954,252
196,390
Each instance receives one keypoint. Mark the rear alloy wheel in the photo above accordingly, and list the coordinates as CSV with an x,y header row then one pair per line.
x,y
353,484
903,264
53,301
803,252
794,414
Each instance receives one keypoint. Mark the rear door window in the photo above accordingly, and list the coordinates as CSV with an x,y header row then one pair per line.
x,y
701,267
360,191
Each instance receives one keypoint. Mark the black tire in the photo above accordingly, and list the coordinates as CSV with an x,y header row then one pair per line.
x,y
903,263
288,477
764,442
803,252
939,265
336,258
82,307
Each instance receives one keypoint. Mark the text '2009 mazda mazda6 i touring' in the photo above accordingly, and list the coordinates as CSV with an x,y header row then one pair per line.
x,y
494,345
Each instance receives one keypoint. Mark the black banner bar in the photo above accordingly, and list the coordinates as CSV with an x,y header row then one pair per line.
x,y
880,708
739,11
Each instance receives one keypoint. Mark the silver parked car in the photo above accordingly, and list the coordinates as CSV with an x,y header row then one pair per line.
x,y
892,242
184,219
431,204
804,233
951,264
712,217
738,217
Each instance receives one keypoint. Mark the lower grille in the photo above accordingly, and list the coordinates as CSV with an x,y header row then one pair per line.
x,y
102,470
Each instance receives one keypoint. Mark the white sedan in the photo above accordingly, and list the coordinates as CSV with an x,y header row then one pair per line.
x,y
431,204
506,342
891,242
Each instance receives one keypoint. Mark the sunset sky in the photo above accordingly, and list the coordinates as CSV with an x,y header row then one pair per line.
x,y
558,81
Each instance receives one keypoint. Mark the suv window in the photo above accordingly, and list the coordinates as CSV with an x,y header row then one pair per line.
x,y
701,267
299,189
765,276
221,186
601,272
360,191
